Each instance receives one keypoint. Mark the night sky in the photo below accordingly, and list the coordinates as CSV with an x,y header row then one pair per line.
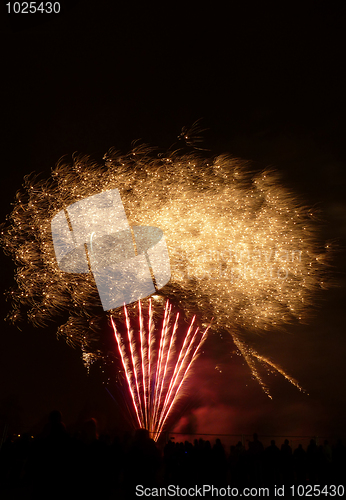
x,y
269,84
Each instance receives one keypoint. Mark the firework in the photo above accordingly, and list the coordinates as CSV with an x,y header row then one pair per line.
x,y
241,248
156,367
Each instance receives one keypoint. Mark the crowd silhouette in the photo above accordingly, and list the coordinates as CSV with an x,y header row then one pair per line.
x,y
84,464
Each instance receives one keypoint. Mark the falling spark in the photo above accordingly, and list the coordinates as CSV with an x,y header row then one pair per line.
x,y
251,356
155,379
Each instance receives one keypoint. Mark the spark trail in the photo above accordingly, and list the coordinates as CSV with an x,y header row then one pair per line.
x,y
156,367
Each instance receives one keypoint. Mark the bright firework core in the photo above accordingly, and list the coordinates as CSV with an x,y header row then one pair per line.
x,y
155,366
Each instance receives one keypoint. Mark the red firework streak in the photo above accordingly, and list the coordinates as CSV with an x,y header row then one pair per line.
x,y
156,367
